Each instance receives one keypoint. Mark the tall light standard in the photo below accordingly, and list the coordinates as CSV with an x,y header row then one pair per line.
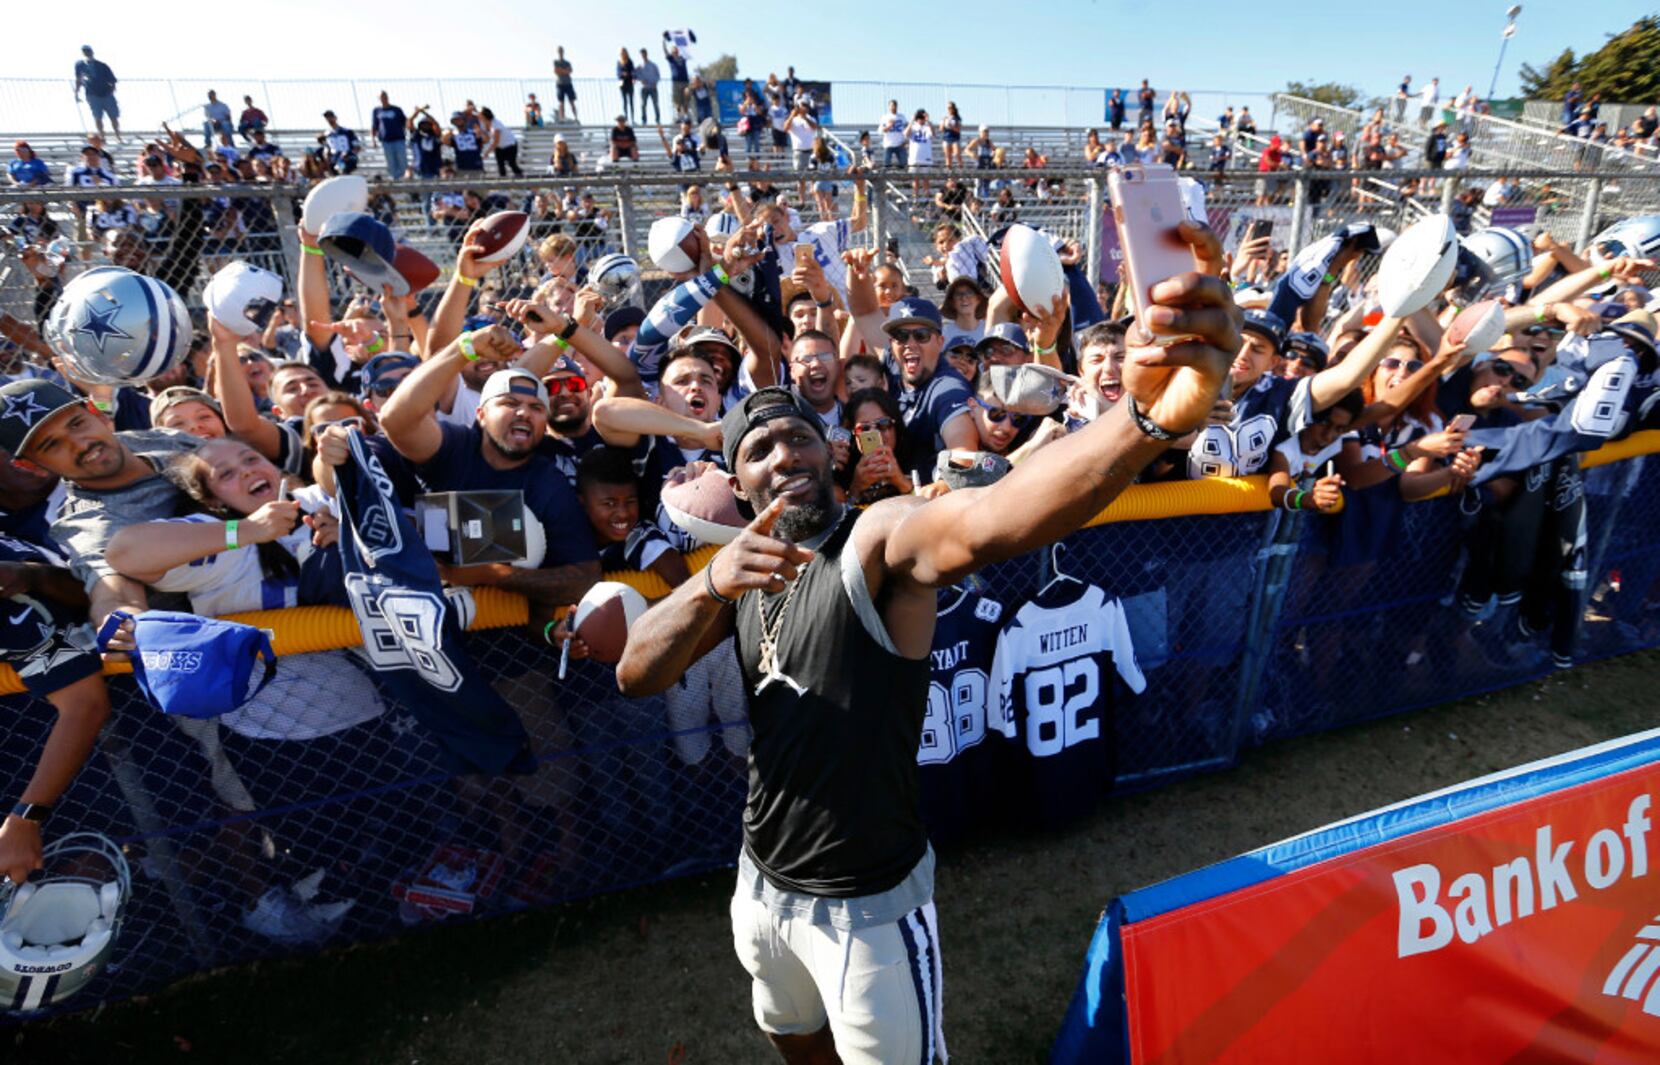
x,y
1504,39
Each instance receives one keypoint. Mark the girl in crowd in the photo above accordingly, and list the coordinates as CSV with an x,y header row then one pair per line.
x,y
951,136
874,470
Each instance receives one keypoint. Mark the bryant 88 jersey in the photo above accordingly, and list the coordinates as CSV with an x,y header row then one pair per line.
x,y
956,766
1267,413
1057,670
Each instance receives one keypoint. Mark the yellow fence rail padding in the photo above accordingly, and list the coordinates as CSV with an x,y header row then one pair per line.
x,y
305,629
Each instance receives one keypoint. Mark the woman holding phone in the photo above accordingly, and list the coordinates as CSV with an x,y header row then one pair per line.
x,y
874,470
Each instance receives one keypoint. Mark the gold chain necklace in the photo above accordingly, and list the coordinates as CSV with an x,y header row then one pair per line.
x,y
770,631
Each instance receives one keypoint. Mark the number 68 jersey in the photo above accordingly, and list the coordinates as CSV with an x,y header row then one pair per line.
x,y
1058,667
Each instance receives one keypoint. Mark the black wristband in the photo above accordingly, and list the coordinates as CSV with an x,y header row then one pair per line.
x,y
571,326
37,812
1147,426
709,583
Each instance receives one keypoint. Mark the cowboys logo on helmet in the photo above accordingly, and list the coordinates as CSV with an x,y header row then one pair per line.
x,y
112,326
617,278
1637,236
59,931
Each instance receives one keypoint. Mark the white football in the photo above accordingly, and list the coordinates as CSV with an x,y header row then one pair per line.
x,y
345,194
1030,268
1478,327
1417,266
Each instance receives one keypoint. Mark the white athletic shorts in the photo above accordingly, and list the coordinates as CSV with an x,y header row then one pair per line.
x,y
878,987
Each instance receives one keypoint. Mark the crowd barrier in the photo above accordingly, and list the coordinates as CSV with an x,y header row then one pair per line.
x,y
1247,625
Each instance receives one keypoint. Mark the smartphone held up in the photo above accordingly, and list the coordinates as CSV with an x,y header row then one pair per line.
x,y
1148,203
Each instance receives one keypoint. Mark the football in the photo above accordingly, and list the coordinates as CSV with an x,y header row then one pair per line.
x,y
1417,266
1478,327
705,507
414,269
1030,268
602,619
502,235
336,195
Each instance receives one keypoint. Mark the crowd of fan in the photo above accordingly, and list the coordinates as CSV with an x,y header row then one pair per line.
x,y
532,380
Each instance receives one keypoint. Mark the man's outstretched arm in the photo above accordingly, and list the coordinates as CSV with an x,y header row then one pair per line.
x,y
1040,502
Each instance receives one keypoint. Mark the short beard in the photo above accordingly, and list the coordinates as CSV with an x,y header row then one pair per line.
x,y
570,426
806,520
512,454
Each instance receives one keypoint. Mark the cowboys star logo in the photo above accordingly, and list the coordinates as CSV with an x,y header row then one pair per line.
x,y
100,325
23,406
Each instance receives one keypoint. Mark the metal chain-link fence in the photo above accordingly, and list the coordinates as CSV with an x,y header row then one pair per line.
x,y
322,815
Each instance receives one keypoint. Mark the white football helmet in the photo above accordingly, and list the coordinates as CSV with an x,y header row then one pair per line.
x,y
58,931
243,297
722,224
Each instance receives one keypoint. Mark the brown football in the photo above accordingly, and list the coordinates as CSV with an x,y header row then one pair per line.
x,y
502,235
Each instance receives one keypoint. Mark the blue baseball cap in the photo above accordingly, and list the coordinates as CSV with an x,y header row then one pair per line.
x,y
1008,333
1266,324
621,319
912,310
364,245
382,366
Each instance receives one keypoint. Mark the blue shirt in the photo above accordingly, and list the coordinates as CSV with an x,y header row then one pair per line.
x,y
389,123
30,171
429,154
677,68
459,466
1268,412
469,154
925,410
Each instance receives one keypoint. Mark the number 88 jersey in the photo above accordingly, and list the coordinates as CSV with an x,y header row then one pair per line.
x,y
956,766
1055,673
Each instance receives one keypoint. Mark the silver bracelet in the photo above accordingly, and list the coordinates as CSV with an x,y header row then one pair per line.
x,y
709,583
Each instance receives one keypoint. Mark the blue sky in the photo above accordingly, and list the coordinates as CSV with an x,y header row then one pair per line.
x,y
1191,44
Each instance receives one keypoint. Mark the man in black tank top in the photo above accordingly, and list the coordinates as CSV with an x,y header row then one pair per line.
x,y
834,614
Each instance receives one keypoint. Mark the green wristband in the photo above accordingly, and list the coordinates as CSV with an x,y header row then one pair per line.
x,y
547,632
465,343
230,534
1331,279
310,249
721,275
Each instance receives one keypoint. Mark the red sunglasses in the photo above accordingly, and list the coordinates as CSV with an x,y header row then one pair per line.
x,y
572,384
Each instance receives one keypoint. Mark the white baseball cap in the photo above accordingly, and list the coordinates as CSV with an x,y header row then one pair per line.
x,y
663,242
513,381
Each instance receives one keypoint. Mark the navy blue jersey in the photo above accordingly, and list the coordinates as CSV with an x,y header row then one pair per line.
x,y
49,646
469,154
1268,412
567,451
1059,666
411,636
926,410
429,154
645,545
654,458
956,765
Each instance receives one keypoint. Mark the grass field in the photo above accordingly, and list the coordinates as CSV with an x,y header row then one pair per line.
x,y
649,976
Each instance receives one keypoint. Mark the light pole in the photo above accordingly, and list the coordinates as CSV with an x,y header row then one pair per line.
x,y
1504,39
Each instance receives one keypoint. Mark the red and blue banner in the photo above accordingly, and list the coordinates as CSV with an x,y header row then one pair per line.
x,y
1509,919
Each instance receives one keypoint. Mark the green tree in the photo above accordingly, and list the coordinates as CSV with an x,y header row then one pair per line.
x,y
1328,92
1625,70
722,68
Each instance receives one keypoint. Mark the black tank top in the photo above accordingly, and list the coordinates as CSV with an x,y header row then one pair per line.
x,y
833,807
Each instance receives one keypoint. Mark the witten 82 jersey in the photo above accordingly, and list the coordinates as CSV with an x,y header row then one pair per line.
x,y
1056,671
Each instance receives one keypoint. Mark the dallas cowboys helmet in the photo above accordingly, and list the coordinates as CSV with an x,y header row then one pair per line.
x,y
1638,236
58,932
722,224
1490,260
112,326
617,278
243,297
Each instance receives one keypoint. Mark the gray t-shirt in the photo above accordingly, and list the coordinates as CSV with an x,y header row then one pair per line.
x,y
89,518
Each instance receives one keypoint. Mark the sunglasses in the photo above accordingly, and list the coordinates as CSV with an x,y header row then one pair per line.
x,y
251,356
1505,371
573,384
918,336
997,415
1412,365
385,388
880,425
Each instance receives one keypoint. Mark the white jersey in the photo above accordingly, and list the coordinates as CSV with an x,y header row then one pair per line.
x,y
921,138
893,130
1305,468
829,240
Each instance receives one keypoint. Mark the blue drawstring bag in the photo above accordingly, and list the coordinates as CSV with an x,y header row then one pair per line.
x,y
193,666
